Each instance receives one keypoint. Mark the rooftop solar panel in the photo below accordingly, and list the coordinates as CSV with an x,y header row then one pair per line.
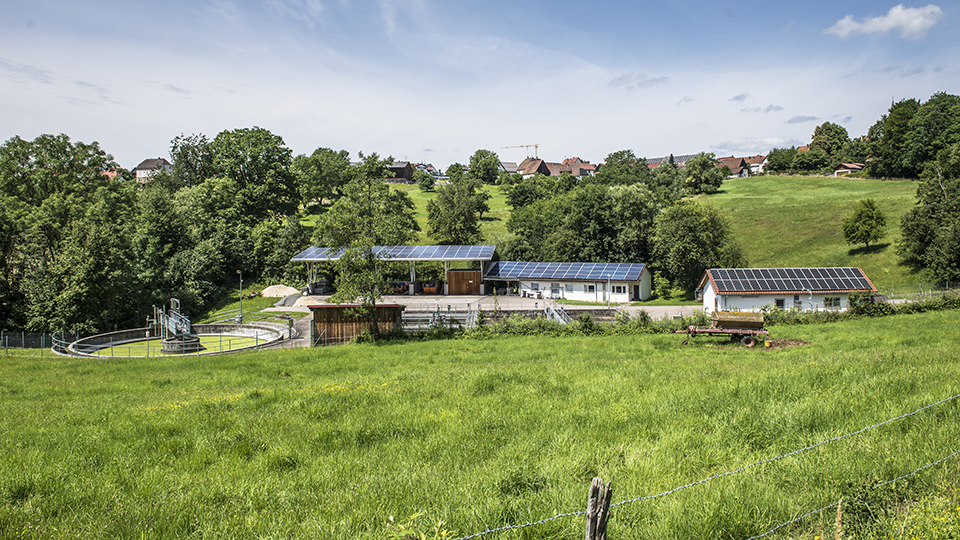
x,y
789,280
515,270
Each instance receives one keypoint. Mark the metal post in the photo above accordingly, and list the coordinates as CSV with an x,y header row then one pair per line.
x,y
240,317
608,291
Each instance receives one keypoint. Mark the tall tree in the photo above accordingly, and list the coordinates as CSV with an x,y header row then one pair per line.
x,y
931,230
485,166
866,224
622,168
829,138
780,160
259,162
888,139
321,174
192,159
689,238
701,174
46,185
368,214
453,217
932,129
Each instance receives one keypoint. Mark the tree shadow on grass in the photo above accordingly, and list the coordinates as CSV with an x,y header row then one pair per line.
x,y
488,218
864,250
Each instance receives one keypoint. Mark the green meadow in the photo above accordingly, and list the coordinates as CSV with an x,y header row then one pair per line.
x,y
796,221
481,434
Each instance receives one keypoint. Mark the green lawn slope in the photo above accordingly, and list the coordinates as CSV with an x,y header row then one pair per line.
x,y
796,221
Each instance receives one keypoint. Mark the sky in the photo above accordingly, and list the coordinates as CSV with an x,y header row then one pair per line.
x,y
432,82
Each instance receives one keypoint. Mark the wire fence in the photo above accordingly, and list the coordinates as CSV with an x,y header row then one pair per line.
x,y
922,291
744,468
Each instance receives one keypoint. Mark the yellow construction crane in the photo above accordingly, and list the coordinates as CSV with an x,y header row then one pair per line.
x,y
535,146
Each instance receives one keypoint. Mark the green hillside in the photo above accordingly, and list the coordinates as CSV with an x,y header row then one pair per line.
x,y
796,221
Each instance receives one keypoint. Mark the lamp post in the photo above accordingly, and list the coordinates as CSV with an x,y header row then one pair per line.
x,y
240,316
608,291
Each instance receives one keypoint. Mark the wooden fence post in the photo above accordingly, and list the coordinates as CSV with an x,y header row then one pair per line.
x,y
598,510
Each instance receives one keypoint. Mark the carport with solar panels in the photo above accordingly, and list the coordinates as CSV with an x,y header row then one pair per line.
x,y
589,282
456,282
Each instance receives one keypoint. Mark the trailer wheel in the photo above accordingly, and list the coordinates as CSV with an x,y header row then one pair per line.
x,y
748,341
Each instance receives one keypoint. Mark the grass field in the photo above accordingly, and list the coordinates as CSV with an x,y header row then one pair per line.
x,y
479,434
152,347
796,221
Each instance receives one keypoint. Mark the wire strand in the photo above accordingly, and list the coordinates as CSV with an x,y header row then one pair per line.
x,y
736,471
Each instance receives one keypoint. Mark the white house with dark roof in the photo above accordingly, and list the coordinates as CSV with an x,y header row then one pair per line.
x,y
149,167
588,282
806,289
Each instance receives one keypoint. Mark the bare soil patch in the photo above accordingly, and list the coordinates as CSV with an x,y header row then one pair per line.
x,y
785,343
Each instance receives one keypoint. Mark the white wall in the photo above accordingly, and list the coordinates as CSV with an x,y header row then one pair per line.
x,y
580,290
808,302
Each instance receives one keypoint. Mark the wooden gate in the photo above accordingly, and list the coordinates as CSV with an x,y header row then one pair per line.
x,y
463,282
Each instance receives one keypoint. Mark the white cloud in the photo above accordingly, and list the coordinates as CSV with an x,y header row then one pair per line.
x,y
911,23
635,80
802,119
25,70
746,146
740,98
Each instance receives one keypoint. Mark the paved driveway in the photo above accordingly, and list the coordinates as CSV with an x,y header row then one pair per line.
x,y
490,303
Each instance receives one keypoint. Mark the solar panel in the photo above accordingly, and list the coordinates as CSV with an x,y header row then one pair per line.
x,y
789,280
515,270
405,253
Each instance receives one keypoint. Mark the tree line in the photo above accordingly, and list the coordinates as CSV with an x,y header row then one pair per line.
x,y
86,252
903,143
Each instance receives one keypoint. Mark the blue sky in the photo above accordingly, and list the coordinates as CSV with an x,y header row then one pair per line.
x,y
434,81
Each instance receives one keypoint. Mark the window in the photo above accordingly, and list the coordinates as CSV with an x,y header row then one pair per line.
x,y
555,289
535,286
796,301
778,302
569,287
589,288
619,289
831,302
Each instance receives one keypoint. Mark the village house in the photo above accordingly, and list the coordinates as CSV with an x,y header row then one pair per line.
x,y
149,167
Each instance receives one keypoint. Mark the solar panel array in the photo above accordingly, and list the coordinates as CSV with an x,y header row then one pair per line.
x,y
790,279
509,270
405,253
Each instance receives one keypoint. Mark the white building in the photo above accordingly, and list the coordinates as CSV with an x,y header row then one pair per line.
x,y
806,289
149,167
587,282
